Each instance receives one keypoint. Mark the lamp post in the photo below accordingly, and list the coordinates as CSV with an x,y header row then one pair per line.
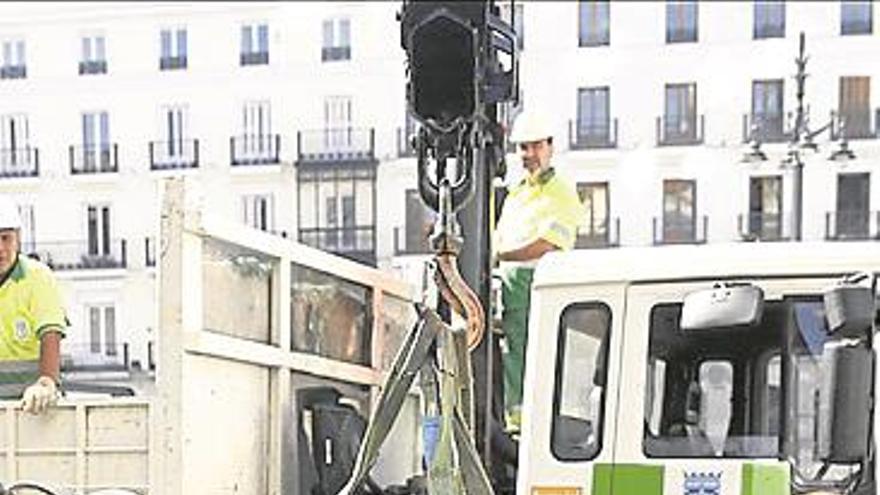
x,y
801,139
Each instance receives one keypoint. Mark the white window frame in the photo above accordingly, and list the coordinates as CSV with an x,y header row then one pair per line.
x,y
103,229
254,37
174,130
174,47
336,32
251,207
93,53
103,340
337,122
27,238
14,52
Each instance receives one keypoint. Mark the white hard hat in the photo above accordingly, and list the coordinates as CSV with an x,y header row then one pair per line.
x,y
530,126
9,218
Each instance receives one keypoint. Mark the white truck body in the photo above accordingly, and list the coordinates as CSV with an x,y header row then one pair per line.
x,y
230,362
618,291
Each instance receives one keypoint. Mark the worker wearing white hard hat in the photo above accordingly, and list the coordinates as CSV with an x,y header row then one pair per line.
x,y
32,321
539,215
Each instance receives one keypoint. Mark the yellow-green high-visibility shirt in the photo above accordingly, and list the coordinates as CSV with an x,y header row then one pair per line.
x,y
546,207
30,304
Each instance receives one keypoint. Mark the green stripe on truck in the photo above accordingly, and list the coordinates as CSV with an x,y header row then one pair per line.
x,y
758,479
627,479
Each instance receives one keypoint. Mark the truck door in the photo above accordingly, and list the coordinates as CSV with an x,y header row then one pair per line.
x,y
571,388
701,409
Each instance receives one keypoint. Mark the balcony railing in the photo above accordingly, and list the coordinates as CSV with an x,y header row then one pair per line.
x,y
330,53
13,72
173,155
761,226
172,63
94,357
606,235
92,67
357,243
681,35
82,255
589,135
855,125
852,225
768,30
767,127
857,25
94,159
681,130
407,244
149,251
667,231
19,162
404,144
255,149
254,58
336,145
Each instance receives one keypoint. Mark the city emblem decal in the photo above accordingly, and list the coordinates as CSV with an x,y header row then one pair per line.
x,y
702,483
21,329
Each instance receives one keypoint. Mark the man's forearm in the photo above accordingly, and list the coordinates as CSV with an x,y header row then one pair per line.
x,y
530,251
50,355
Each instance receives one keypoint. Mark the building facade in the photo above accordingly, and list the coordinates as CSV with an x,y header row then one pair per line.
x,y
292,118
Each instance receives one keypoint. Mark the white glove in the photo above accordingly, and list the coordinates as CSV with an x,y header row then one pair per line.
x,y
39,396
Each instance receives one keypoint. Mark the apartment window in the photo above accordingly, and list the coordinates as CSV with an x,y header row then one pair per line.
x,y
259,211
679,210
102,329
419,221
27,237
765,207
93,59
16,155
14,66
337,123
853,205
96,152
856,17
855,105
173,49
98,230
254,44
593,123
681,21
174,149
767,109
769,19
680,117
518,24
594,25
593,230
336,39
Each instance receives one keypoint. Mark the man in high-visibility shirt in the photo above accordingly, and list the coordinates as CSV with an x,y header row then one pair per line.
x,y
32,321
540,214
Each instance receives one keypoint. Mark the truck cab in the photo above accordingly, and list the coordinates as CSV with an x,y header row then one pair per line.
x,y
771,398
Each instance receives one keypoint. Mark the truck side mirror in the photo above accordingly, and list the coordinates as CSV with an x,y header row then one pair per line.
x,y
849,309
724,305
850,423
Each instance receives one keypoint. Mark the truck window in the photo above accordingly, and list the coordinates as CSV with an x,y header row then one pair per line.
x,y
578,403
713,393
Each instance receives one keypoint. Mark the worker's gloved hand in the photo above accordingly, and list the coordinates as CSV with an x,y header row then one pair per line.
x,y
39,396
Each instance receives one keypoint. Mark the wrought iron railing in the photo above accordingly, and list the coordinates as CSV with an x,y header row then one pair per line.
x,y
175,154
82,255
94,159
852,225
95,356
591,135
673,231
336,145
680,130
357,243
604,235
255,149
766,127
763,226
19,162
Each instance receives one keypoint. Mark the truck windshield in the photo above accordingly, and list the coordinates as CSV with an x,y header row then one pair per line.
x,y
719,392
